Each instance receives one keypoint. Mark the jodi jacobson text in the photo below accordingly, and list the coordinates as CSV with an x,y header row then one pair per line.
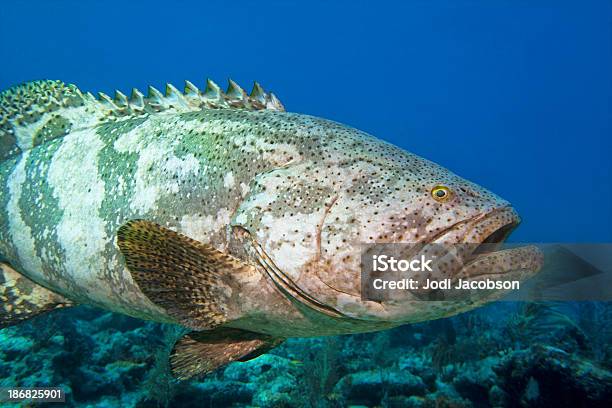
x,y
446,284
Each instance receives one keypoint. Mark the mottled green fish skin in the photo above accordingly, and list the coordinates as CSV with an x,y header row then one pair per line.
x,y
309,191
65,199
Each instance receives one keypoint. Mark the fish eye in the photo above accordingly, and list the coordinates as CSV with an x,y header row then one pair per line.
x,y
441,193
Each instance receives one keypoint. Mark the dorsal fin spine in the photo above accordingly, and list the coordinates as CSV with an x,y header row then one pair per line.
x,y
191,90
175,95
120,99
234,91
274,103
154,96
258,93
105,99
213,95
236,96
137,100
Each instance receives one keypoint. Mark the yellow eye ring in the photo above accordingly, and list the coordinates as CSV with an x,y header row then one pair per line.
x,y
441,193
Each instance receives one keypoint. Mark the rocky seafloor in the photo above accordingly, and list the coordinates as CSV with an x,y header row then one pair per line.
x,y
505,355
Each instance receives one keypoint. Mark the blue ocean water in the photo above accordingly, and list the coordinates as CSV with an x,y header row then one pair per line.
x,y
513,95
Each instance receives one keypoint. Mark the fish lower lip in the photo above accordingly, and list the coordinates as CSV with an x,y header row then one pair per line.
x,y
524,260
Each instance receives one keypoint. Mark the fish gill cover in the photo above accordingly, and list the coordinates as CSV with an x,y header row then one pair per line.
x,y
270,258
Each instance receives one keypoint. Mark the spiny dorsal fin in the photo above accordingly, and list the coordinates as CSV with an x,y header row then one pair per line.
x,y
38,111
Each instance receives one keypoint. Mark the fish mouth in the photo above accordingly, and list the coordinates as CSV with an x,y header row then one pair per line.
x,y
485,256
491,244
495,240
473,250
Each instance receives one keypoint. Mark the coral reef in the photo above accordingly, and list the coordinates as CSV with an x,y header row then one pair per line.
x,y
505,355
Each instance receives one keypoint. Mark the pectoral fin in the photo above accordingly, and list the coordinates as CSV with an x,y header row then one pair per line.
x,y
200,353
22,298
191,280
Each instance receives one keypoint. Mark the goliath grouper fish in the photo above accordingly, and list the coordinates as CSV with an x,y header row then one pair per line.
x,y
221,212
